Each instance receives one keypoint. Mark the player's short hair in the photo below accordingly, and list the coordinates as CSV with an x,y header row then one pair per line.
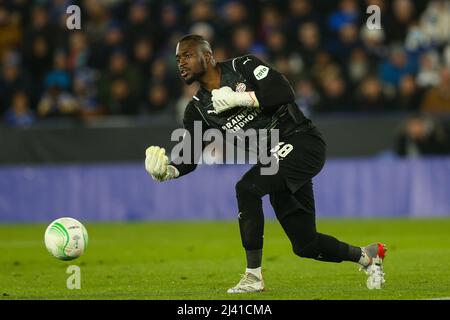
x,y
203,44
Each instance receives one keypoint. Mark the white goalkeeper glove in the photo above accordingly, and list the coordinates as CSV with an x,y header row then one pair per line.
x,y
157,164
225,98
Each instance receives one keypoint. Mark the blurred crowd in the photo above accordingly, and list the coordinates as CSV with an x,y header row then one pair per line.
x,y
421,135
122,61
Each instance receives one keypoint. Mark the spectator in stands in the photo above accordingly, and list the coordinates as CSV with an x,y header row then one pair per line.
x,y
159,74
308,43
59,73
12,79
97,22
58,19
308,97
56,101
187,92
233,14
347,13
447,55
113,40
435,21
416,39
428,75
202,14
39,60
143,55
170,24
157,99
437,98
370,96
421,136
397,65
159,71
221,52
39,26
324,67
358,66
373,44
202,11
403,14
140,24
276,44
259,50
300,12
57,10
242,40
382,4
85,93
283,64
119,69
347,40
79,52
19,114
10,30
120,99
290,35
203,29
335,95
38,43
408,95
296,68
271,20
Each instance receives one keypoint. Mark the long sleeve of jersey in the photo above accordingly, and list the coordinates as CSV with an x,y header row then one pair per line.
x,y
272,88
192,117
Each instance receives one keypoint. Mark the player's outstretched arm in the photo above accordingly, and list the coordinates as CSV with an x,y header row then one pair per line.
x,y
157,164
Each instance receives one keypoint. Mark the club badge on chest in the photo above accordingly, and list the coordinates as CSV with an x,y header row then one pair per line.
x,y
240,87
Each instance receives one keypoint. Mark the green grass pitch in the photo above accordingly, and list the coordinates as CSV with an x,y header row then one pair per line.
x,y
200,260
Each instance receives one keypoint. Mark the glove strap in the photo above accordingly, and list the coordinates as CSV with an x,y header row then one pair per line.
x,y
171,173
247,99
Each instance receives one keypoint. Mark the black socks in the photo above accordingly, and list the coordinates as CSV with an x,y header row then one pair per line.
x,y
254,258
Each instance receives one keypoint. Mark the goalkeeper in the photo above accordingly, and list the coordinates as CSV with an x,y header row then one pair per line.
x,y
237,87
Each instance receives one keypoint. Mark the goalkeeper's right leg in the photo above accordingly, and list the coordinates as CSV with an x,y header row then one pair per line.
x,y
372,257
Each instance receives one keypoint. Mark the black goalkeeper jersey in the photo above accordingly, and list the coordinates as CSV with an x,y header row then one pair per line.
x,y
277,107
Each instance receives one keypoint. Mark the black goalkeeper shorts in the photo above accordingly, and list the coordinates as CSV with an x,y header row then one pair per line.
x,y
301,157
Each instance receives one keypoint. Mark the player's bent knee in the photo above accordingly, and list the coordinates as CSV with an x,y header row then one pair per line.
x,y
308,250
245,188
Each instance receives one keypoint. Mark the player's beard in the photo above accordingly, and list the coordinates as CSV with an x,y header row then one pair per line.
x,y
197,75
194,77
190,80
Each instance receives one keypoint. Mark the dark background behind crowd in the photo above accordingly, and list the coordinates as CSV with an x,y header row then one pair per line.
x,y
122,62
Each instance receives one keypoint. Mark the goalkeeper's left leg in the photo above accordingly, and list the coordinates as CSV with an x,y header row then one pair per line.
x,y
300,227
299,223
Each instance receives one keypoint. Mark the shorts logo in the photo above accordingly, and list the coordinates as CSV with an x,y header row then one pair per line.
x,y
261,72
240,87
281,150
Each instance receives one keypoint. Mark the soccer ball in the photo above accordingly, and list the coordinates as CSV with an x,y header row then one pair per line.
x,y
66,238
